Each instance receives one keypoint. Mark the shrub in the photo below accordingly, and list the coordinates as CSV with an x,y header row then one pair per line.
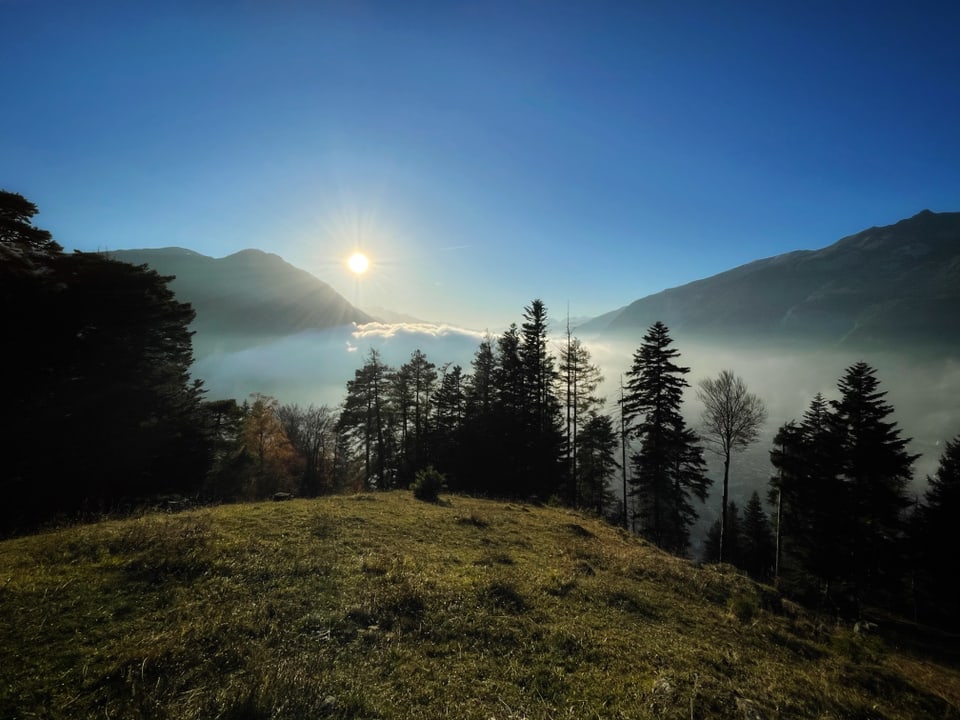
x,y
427,484
742,607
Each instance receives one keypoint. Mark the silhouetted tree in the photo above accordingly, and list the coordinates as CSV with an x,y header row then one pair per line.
x,y
412,387
732,417
23,246
541,407
756,541
668,467
934,533
448,415
366,419
598,445
224,419
876,468
814,502
479,451
711,546
579,382
100,352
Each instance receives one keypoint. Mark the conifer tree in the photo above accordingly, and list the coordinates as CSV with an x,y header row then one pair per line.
x,y
756,547
934,535
580,379
598,444
876,469
668,467
447,422
814,501
478,447
541,419
411,388
366,418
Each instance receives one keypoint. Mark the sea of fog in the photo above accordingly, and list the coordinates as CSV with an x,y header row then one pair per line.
x,y
314,367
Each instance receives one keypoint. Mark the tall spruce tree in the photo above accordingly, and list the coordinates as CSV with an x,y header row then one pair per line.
x,y
541,419
366,418
876,469
668,466
411,388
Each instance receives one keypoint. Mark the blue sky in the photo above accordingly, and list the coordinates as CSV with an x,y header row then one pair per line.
x,y
481,153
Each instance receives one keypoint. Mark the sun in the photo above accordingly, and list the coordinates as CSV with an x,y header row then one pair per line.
x,y
358,263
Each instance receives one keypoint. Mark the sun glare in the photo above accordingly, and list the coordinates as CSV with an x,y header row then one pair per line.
x,y
358,263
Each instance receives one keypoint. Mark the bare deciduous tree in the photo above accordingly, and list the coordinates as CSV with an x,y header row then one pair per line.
x,y
732,417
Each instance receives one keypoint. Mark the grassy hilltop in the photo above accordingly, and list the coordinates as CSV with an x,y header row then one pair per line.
x,y
379,606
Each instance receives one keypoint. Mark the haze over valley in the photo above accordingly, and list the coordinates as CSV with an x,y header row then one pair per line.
x,y
789,325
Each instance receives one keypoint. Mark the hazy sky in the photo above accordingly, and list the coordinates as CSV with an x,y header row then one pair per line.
x,y
481,153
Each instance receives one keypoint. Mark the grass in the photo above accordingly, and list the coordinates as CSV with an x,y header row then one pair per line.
x,y
379,606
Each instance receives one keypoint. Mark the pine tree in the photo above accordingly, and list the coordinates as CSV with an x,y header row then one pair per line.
x,y
580,379
815,518
366,417
876,469
411,388
447,422
933,535
541,418
478,435
757,546
598,444
668,467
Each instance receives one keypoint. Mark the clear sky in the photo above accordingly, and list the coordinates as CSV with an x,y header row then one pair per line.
x,y
481,153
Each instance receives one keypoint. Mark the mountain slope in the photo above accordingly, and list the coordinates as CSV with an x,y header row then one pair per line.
x,y
893,284
379,606
248,297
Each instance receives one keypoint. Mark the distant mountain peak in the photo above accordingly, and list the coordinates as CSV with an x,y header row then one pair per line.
x,y
884,287
247,297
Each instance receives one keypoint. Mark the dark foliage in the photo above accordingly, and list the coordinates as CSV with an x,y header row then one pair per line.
x,y
102,410
933,544
668,468
842,477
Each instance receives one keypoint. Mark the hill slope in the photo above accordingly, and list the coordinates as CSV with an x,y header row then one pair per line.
x,y
248,297
378,606
890,285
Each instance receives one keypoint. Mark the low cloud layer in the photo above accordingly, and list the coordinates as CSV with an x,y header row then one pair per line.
x,y
314,367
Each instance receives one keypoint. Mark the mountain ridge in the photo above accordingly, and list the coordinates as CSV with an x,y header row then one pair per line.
x,y
247,297
899,282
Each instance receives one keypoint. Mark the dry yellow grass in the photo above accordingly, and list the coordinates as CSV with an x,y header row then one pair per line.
x,y
380,606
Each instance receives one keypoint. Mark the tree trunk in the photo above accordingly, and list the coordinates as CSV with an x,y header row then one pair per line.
x,y
723,509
